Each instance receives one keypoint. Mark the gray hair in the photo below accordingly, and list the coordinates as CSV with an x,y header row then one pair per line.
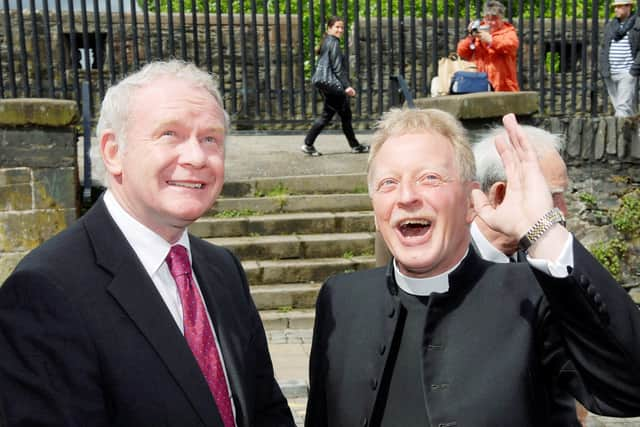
x,y
114,111
398,122
489,167
493,7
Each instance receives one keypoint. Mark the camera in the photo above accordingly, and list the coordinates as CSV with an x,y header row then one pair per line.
x,y
475,27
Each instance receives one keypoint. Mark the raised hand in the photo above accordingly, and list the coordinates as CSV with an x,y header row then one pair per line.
x,y
527,196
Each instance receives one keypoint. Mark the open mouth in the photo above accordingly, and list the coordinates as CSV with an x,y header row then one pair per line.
x,y
194,185
414,228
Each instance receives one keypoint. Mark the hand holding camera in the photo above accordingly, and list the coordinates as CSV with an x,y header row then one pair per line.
x,y
475,29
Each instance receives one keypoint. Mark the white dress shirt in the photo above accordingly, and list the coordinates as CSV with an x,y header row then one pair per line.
x,y
152,251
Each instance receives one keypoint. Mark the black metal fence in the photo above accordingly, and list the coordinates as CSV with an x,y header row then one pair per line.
x,y
264,58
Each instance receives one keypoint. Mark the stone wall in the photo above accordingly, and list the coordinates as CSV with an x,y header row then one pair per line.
x,y
38,174
603,161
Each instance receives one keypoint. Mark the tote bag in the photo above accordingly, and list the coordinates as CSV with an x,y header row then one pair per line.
x,y
324,79
447,67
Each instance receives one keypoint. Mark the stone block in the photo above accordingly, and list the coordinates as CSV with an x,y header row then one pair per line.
x,y
483,105
634,147
38,112
38,148
574,140
556,126
55,188
8,262
612,134
586,152
16,197
14,176
599,140
25,231
622,138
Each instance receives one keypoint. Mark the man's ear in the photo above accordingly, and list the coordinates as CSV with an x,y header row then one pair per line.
x,y
471,209
111,153
497,192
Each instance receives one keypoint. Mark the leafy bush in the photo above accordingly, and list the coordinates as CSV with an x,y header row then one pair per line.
x,y
626,218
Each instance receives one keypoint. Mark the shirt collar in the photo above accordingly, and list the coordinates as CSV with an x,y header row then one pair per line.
x,y
427,285
485,248
151,249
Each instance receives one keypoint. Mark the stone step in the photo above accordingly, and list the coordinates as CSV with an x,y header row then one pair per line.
x,y
305,184
299,246
287,223
278,320
268,272
288,295
247,206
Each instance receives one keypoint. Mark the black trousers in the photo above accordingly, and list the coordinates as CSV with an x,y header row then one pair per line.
x,y
333,104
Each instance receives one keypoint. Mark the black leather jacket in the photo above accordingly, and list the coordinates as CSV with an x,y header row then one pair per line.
x,y
634,41
336,58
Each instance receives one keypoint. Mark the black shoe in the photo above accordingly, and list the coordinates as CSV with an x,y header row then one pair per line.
x,y
310,150
360,148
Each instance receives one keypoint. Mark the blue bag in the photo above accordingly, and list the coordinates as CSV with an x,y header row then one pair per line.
x,y
470,81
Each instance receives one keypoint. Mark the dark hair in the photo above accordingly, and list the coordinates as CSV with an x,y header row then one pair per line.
x,y
330,23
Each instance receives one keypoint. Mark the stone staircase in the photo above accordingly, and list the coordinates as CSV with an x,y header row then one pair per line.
x,y
291,233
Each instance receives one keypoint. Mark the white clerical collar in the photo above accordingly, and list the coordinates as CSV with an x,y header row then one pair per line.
x,y
485,249
427,285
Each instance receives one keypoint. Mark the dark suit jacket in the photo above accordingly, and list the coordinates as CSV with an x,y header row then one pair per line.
x,y
490,345
86,339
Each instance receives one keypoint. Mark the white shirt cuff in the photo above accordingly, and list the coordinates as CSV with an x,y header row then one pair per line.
x,y
558,268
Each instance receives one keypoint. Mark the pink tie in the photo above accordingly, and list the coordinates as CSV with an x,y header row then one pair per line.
x,y
198,332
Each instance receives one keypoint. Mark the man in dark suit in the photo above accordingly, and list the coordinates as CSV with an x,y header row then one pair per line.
x,y
441,337
124,319
498,247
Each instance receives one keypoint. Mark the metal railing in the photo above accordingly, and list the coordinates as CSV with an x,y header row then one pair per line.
x,y
264,59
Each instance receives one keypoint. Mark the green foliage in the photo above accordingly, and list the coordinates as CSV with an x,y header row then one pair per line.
x,y
235,213
449,8
552,62
361,189
626,218
610,255
284,309
588,199
348,255
277,191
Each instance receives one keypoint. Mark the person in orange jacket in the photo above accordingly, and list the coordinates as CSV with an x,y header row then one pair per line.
x,y
493,46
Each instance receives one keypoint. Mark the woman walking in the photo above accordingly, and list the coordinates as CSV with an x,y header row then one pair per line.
x,y
335,101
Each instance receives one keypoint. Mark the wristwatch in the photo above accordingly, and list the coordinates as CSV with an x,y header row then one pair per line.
x,y
548,220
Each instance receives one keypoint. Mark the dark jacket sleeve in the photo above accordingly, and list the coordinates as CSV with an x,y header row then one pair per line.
x,y
49,373
603,52
599,326
337,60
316,413
634,37
271,407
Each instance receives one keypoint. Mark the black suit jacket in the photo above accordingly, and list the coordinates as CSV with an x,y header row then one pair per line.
x,y
490,345
86,340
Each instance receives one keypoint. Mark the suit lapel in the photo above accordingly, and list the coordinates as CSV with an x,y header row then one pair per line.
x,y
216,289
134,290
